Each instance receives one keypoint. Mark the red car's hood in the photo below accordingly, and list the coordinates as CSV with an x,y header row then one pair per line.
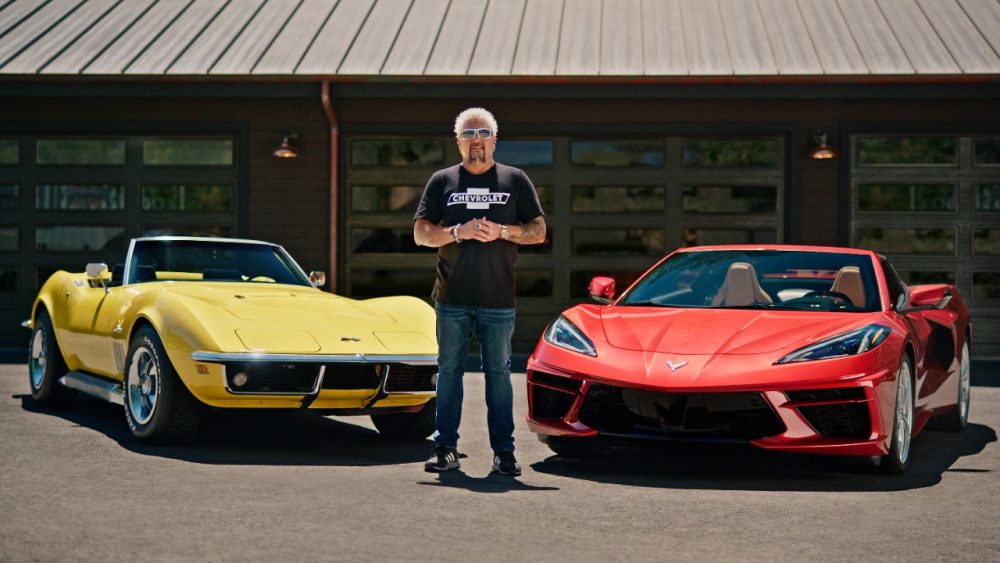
x,y
720,331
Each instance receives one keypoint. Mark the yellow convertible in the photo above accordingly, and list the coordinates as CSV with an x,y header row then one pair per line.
x,y
186,323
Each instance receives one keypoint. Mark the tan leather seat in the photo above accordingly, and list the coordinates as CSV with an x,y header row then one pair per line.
x,y
848,282
741,287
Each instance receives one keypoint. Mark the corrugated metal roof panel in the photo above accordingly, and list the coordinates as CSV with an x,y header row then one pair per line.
x,y
371,46
579,52
923,48
256,37
878,45
746,35
498,38
538,44
621,47
416,39
704,38
102,34
835,46
985,14
459,34
335,38
295,38
175,39
13,14
663,47
59,37
198,58
572,38
960,35
129,45
789,38
34,28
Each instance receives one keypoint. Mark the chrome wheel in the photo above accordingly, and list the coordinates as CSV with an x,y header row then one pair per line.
x,y
964,386
143,384
36,357
904,413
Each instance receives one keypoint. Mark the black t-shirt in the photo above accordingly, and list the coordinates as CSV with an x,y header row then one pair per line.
x,y
474,273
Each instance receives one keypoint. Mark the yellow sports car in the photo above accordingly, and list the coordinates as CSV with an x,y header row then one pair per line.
x,y
232,324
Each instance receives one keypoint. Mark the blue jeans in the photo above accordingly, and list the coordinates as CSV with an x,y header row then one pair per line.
x,y
494,328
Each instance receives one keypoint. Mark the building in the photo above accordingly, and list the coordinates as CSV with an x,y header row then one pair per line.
x,y
646,124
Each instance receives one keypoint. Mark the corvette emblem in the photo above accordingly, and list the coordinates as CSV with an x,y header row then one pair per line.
x,y
677,366
350,339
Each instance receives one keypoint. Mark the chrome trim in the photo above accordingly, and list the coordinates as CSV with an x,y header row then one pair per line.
x,y
314,391
390,393
219,357
94,386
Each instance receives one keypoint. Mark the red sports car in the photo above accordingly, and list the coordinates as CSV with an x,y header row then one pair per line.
x,y
793,348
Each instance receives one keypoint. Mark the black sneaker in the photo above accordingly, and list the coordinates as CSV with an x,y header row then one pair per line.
x,y
504,463
442,458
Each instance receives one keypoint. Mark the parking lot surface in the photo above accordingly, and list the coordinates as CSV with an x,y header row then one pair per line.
x,y
74,485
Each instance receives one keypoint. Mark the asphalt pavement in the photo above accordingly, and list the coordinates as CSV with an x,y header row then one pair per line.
x,y
75,486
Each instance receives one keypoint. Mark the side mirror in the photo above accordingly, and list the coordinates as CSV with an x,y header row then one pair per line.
x,y
602,289
927,297
97,274
96,270
317,278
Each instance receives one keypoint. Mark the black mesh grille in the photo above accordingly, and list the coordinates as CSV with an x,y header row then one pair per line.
x,y
556,381
546,403
619,410
826,394
350,376
849,420
273,377
410,378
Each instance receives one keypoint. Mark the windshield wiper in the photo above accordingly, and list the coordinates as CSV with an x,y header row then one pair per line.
x,y
647,304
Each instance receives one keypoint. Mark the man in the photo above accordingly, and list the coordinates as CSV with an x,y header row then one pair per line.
x,y
476,213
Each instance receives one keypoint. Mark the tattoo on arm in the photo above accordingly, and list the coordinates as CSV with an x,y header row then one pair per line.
x,y
532,232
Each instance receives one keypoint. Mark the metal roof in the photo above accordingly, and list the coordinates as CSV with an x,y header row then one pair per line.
x,y
500,38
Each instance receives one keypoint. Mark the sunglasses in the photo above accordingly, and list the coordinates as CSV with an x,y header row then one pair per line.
x,y
469,134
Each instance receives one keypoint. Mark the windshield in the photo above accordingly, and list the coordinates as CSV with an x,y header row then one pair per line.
x,y
766,279
216,261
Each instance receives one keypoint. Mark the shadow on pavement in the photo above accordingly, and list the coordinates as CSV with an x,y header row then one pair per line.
x,y
744,467
245,439
492,483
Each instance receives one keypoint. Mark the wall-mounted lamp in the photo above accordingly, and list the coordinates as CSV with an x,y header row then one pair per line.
x,y
822,151
287,147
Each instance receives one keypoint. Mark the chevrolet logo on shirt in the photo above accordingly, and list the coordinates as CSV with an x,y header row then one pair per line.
x,y
479,198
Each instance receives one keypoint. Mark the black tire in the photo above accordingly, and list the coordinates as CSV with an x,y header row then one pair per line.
x,y
171,415
957,419
407,425
897,459
577,448
46,365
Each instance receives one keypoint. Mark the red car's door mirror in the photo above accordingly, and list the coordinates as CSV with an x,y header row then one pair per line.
x,y
927,297
602,289
317,278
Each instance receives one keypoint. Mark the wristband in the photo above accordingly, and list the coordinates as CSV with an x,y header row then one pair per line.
x,y
454,233
504,233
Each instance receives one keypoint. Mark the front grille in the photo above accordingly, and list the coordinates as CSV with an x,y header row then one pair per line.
x,y
273,377
350,376
546,403
627,411
826,394
848,420
406,378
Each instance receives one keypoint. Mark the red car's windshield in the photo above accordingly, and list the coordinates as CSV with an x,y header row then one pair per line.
x,y
771,279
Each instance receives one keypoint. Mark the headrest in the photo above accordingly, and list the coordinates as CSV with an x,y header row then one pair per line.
x,y
849,282
741,287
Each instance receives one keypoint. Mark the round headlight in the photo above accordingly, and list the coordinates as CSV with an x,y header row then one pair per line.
x,y
240,378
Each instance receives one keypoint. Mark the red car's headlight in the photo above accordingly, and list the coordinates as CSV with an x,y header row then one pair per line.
x,y
564,334
850,343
